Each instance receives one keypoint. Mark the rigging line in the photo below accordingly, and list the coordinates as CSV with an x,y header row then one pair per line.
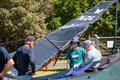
x,y
56,48
52,43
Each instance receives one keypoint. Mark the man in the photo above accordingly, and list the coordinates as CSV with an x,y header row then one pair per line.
x,y
23,57
6,62
75,54
92,60
93,55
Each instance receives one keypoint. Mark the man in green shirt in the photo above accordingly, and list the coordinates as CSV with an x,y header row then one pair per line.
x,y
75,54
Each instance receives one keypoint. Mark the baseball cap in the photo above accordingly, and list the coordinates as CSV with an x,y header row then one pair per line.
x,y
75,40
30,38
87,42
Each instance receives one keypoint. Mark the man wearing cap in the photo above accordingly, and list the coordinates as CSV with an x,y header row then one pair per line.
x,y
93,55
23,57
92,60
75,54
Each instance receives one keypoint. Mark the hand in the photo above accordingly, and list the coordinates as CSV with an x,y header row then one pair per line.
x,y
33,73
68,66
28,73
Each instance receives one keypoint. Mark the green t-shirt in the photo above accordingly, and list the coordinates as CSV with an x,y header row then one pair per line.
x,y
76,56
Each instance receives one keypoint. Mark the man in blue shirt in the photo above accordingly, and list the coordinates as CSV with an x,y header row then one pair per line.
x,y
23,57
6,62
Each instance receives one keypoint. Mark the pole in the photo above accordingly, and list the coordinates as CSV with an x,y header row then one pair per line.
x,y
114,46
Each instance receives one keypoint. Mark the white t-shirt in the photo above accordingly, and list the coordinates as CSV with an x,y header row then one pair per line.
x,y
94,55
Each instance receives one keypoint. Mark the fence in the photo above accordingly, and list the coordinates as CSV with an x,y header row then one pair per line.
x,y
105,44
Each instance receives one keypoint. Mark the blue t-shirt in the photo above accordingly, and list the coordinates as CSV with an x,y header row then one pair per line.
x,y
23,57
28,51
76,56
4,57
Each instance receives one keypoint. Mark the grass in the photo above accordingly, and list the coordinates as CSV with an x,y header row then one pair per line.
x,y
52,70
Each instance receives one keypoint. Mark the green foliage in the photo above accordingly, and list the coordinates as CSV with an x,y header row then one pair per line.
x,y
118,19
70,9
23,17
104,25
20,18
54,24
64,11
5,23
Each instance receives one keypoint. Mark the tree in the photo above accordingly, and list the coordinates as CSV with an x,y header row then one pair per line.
x,y
20,18
67,10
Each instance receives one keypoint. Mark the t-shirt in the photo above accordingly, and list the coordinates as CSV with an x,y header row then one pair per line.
x,y
4,57
76,56
94,55
28,51
23,57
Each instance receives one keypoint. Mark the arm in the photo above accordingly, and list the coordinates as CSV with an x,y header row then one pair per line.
x,y
83,54
7,66
68,64
8,61
68,59
88,60
32,60
32,67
